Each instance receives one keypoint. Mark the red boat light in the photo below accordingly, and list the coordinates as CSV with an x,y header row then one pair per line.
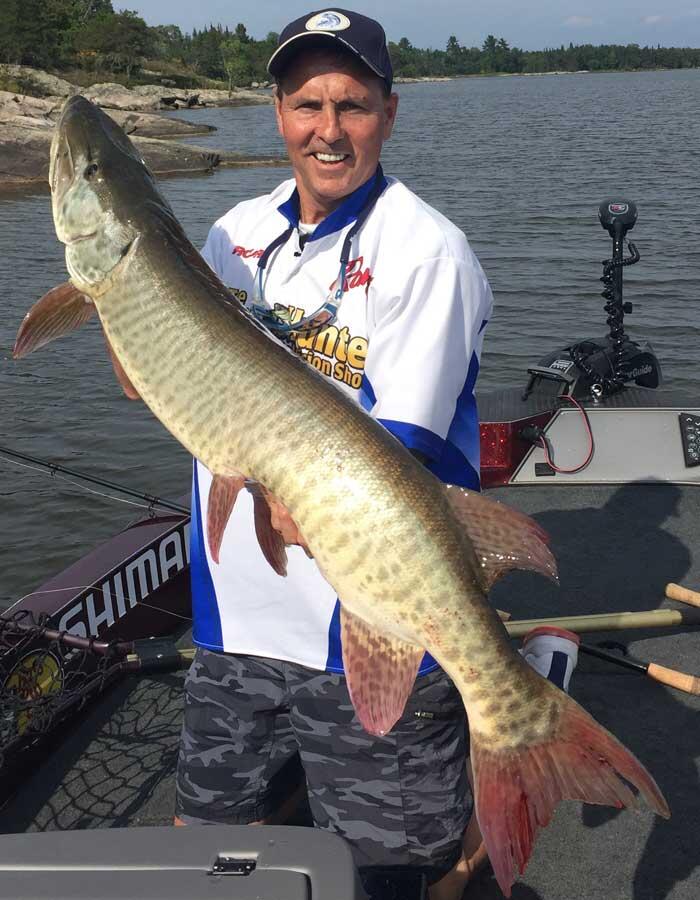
x,y
502,448
496,440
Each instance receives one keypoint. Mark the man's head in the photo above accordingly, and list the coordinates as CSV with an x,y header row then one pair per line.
x,y
334,104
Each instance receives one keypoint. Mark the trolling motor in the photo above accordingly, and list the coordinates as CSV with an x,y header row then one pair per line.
x,y
595,367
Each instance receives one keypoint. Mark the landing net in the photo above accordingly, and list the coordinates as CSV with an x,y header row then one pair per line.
x,y
44,675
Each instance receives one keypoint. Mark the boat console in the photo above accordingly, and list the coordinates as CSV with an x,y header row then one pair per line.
x,y
592,411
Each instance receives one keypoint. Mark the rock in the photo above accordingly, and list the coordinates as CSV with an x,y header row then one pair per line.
x,y
24,155
116,96
154,126
238,97
21,105
44,84
34,112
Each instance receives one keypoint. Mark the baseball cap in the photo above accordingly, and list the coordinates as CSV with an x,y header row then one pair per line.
x,y
361,35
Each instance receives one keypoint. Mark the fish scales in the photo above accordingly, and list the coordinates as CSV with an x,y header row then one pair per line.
x,y
185,352
410,559
394,531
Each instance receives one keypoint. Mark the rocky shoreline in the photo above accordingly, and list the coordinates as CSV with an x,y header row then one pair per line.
x,y
27,123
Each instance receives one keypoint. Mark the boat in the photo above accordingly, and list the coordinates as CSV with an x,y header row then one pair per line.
x,y
590,444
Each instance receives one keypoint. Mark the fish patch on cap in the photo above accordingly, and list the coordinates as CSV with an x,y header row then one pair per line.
x,y
328,21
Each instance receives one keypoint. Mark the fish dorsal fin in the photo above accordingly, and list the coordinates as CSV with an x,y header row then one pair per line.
x,y
380,672
503,538
122,377
62,310
270,540
222,497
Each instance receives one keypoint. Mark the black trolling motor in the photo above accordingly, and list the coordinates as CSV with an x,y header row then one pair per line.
x,y
596,368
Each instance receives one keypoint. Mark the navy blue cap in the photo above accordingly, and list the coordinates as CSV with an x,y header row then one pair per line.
x,y
364,37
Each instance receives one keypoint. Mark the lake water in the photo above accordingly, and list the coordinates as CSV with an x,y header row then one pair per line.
x,y
520,164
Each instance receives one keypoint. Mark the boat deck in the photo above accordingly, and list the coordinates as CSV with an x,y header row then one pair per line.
x,y
617,548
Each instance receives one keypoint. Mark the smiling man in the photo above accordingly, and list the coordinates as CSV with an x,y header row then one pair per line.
x,y
383,296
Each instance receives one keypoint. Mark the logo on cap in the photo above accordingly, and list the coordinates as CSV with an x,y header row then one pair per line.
x,y
328,21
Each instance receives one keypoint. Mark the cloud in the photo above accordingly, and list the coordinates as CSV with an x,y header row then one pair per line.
x,y
652,20
578,21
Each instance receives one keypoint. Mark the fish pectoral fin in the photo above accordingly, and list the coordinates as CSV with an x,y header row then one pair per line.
x,y
503,538
380,671
222,497
62,310
270,540
122,377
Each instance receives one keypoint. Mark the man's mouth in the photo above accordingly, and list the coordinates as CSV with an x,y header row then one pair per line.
x,y
330,157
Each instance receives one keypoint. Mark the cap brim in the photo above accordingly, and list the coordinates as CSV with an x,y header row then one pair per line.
x,y
284,53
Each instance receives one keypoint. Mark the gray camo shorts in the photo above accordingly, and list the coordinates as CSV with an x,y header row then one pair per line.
x,y
401,799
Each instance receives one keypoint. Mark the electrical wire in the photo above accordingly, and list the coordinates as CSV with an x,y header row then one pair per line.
x,y
545,444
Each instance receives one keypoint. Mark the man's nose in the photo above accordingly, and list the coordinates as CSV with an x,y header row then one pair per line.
x,y
329,128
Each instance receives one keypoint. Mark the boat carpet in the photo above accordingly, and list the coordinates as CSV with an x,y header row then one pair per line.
x,y
617,547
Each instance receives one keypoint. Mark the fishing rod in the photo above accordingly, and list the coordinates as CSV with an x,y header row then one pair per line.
x,y
53,468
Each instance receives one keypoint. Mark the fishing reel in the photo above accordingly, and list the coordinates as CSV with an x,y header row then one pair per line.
x,y
599,367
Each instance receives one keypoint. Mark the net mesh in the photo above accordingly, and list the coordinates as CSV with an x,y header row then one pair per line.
x,y
43,679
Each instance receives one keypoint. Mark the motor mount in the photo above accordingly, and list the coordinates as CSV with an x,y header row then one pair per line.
x,y
598,367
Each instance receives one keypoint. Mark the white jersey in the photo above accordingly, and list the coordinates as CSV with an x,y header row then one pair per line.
x,y
405,345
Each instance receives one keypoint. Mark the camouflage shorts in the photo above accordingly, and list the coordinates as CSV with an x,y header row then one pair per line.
x,y
402,799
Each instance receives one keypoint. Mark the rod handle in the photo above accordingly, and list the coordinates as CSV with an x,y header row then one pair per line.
x,y
682,594
679,680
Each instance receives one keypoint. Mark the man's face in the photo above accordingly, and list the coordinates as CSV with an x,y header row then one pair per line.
x,y
334,119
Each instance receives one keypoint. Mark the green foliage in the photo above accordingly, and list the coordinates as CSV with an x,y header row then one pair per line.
x,y
235,59
115,41
90,36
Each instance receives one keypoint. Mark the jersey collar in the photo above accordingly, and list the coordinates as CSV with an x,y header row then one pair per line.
x,y
346,213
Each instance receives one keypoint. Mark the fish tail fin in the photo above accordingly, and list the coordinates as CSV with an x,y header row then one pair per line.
x,y
516,791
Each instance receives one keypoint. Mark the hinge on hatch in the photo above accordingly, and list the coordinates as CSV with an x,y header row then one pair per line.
x,y
232,865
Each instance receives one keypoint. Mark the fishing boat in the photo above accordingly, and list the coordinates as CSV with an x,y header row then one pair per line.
x,y
592,446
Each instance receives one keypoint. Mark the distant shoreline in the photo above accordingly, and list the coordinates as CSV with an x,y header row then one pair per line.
x,y
431,78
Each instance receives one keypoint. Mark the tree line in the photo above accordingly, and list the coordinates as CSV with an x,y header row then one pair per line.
x,y
91,35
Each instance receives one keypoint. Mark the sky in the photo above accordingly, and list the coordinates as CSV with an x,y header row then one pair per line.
x,y
428,23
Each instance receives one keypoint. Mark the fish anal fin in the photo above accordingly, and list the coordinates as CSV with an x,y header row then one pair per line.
x,y
222,497
503,538
61,311
517,791
380,671
122,377
270,541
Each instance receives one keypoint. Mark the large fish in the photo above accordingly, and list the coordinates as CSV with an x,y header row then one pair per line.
x,y
410,559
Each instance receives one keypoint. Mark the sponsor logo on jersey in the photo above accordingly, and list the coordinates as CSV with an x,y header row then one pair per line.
x,y
246,253
239,294
334,351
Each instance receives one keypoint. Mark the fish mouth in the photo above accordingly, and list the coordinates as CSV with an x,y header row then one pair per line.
x,y
80,237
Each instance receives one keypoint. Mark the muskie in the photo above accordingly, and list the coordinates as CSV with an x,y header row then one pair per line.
x,y
410,559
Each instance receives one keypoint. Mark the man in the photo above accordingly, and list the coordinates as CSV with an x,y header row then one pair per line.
x,y
404,303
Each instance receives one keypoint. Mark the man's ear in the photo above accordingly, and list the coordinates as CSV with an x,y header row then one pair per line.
x,y
390,106
276,93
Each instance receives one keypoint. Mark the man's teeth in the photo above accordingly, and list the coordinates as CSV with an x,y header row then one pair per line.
x,y
330,157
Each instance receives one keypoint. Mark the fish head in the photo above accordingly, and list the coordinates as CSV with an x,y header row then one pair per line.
x,y
100,190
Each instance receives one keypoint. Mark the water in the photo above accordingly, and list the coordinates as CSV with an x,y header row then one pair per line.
x,y
520,164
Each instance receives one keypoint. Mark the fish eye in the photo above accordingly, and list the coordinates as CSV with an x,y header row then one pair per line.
x,y
91,170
